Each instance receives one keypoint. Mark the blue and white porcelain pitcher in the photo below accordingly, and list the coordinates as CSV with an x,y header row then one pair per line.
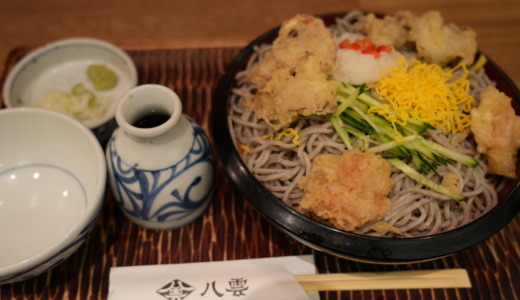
x,y
160,163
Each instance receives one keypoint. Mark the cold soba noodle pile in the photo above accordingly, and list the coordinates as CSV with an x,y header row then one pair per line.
x,y
330,126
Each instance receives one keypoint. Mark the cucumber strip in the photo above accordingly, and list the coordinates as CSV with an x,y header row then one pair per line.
x,y
405,141
421,124
418,126
345,104
426,163
369,120
348,89
419,164
392,144
356,123
410,172
462,158
342,134
359,134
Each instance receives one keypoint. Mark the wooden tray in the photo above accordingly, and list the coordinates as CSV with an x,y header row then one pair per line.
x,y
230,228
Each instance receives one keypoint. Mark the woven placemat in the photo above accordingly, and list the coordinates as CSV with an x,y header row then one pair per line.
x,y
230,228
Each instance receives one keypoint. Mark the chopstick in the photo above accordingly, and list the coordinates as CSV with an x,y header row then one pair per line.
x,y
451,278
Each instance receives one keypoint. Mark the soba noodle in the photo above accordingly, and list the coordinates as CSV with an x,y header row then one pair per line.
x,y
416,210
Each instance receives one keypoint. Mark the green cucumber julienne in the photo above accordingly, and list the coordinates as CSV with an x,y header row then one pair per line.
x,y
404,142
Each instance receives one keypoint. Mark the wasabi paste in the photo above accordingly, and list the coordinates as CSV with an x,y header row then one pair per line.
x,y
102,77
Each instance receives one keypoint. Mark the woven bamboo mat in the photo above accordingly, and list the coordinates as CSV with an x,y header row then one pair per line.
x,y
230,228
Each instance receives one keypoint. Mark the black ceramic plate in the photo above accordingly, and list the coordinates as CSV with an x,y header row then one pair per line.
x,y
341,243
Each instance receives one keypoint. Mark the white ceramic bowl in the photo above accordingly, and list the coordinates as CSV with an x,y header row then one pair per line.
x,y
52,183
62,64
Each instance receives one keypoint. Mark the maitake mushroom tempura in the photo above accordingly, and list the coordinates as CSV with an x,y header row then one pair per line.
x,y
386,126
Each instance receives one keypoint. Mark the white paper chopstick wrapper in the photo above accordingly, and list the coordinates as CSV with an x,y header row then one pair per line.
x,y
263,278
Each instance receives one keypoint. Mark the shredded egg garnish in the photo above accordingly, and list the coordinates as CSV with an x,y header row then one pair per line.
x,y
245,148
425,92
286,132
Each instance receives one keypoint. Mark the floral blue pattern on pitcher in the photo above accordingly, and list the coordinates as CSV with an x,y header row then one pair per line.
x,y
151,183
162,176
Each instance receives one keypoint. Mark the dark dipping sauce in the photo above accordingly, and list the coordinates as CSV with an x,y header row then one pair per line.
x,y
151,120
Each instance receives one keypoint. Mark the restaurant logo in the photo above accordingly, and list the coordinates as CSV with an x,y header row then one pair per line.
x,y
179,290
176,290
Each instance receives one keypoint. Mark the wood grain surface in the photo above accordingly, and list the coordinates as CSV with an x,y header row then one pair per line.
x,y
230,228
223,23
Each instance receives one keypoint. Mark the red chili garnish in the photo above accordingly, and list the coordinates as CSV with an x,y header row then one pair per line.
x,y
384,48
344,44
366,46
372,51
354,47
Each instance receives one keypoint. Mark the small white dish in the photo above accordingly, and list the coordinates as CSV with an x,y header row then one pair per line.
x,y
61,65
52,178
